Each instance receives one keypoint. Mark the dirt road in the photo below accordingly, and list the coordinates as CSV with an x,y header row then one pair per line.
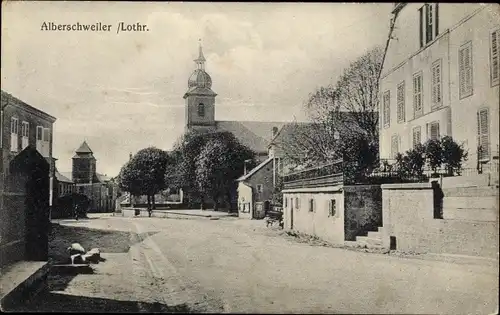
x,y
234,265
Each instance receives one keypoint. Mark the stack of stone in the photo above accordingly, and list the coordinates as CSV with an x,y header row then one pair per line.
x,y
79,256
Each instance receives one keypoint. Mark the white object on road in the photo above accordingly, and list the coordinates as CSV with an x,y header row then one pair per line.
x,y
76,248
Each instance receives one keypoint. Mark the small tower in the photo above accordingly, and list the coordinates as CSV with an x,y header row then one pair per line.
x,y
84,165
200,99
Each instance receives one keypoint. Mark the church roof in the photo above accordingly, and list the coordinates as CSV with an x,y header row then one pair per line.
x,y
84,148
200,91
64,179
256,135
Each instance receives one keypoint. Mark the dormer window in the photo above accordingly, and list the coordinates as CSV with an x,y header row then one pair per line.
x,y
201,110
429,23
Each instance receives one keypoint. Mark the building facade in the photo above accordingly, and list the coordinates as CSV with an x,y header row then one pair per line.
x,y
440,77
99,188
26,178
255,190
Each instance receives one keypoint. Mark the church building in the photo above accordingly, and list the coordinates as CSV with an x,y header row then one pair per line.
x,y
200,114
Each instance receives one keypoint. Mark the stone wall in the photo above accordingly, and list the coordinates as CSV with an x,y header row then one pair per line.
x,y
320,221
408,219
363,210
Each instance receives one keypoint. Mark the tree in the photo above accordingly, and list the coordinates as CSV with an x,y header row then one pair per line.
x,y
144,174
434,154
340,113
220,162
453,155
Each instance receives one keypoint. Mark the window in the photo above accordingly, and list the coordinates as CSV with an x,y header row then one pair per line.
x,y
39,133
14,134
417,95
201,110
433,131
429,23
260,188
332,207
417,136
401,102
25,131
436,84
394,146
465,70
297,204
483,134
311,205
494,55
285,201
387,108
43,140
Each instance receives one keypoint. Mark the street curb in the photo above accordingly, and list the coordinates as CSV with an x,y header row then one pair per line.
x,y
198,215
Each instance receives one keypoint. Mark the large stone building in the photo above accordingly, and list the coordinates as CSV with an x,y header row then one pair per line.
x,y
440,77
99,188
200,114
26,176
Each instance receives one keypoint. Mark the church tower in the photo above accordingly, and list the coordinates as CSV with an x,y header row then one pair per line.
x,y
84,171
200,99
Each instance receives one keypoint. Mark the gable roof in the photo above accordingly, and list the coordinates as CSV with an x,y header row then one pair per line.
x,y
256,135
8,99
61,178
68,175
84,148
255,170
103,178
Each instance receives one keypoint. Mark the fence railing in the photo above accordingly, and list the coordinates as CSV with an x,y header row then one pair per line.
x,y
335,174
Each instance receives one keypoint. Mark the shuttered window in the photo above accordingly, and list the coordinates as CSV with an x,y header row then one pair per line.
x,y
434,131
417,132
401,102
436,84
495,58
417,94
483,133
332,208
387,108
465,70
394,146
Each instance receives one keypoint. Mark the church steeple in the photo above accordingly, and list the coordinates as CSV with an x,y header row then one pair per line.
x,y
200,99
200,62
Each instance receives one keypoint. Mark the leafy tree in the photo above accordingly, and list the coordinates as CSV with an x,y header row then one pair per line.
x,y
434,154
453,155
220,162
415,160
144,173
277,196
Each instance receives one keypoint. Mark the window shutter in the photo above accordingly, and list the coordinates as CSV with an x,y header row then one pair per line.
x,y
434,131
468,69
421,32
438,83
483,129
436,20
461,71
495,63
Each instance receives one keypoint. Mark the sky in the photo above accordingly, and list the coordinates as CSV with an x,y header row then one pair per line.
x,y
122,92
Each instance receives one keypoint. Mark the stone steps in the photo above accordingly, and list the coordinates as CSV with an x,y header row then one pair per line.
x,y
485,191
470,202
484,215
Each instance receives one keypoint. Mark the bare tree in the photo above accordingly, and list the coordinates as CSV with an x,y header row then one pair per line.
x,y
342,116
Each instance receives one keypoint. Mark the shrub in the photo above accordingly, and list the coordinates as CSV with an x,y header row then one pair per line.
x,y
434,154
453,155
